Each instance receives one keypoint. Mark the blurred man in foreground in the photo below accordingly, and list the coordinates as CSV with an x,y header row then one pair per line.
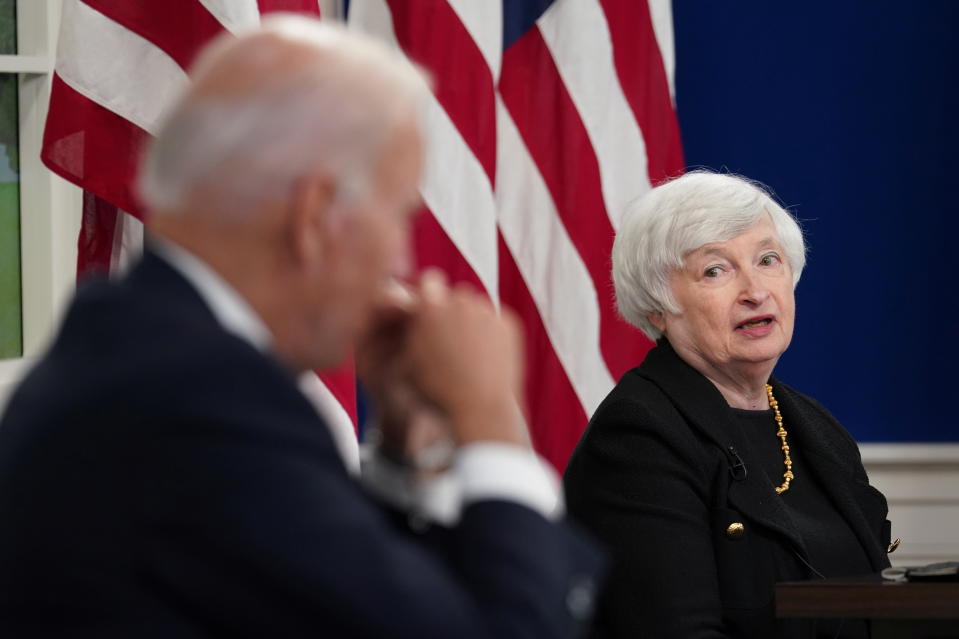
x,y
161,474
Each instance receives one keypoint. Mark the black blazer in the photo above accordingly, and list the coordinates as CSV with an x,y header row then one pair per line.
x,y
655,478
160,477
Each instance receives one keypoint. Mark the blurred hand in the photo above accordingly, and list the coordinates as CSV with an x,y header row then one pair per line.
x,y
466,359
440,362
384,372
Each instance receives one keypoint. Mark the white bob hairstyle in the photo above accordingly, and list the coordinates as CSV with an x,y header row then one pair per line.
x,y
660,228
334,114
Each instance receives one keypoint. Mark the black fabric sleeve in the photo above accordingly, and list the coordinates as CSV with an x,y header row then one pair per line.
x,y
641,490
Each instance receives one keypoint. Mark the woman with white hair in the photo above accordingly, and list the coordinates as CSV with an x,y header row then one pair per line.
x,y
708,478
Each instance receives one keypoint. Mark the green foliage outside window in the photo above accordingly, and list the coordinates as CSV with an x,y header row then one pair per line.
x,y
11,330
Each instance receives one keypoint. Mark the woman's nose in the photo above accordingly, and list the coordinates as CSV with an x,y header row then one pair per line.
x,y
754,291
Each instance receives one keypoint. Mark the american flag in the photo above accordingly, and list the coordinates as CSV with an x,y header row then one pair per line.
x,y
548,118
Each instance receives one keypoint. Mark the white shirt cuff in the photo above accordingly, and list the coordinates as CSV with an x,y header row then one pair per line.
x,y
436,498
497,471
481,471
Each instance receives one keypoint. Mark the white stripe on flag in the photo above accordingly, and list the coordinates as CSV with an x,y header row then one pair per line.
x,y
336,418
372,17
484,21
455,187
234,15
553,271
467,212
331,9
114,67
577,36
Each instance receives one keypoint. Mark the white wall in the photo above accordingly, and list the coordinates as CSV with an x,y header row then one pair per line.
x,y
921,484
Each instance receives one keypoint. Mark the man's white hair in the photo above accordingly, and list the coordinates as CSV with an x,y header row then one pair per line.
x,y
334,115
662,227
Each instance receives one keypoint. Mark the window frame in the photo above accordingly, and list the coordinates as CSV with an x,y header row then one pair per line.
x,y
50,207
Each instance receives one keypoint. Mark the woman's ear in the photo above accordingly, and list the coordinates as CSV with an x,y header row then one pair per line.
x,y
309,217
658,320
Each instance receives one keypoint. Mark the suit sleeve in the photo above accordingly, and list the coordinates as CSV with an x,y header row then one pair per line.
x,y
264,534
641,490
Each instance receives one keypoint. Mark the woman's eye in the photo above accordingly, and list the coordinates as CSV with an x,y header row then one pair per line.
x,y
713,271
769,259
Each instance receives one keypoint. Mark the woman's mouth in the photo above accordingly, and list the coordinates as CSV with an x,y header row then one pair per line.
x,y
755,323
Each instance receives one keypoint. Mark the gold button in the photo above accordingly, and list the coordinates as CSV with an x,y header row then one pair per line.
x,y
892,547
735,530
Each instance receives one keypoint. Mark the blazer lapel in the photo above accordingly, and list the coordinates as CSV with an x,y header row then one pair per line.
x,y
706,411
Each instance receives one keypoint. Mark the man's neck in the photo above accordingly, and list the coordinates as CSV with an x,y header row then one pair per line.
x,y
229,306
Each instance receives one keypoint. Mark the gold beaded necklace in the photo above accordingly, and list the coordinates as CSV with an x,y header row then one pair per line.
x,y
788,475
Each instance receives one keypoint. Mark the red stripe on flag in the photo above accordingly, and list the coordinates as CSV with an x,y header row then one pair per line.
x,y
92,147
296,6
95,241
432,35
178,27
552,130
639,66
342,384
554,413
432,247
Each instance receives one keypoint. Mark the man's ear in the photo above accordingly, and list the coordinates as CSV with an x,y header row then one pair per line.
x,y
309,217
658,320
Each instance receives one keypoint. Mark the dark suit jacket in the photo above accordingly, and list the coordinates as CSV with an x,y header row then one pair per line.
x,y
160,477
655,478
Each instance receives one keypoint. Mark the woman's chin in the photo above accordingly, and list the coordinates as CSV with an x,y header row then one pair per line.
x,y
760,352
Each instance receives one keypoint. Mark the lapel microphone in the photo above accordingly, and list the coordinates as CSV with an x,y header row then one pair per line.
x,y
737,468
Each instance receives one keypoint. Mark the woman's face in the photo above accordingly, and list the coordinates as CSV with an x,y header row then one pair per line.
x,y
737,302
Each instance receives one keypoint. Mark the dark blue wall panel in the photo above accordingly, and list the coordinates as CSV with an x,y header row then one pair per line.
x,y
848,110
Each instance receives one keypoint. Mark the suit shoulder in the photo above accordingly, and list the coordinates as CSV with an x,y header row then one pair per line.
x,y
638,405
635,421
123,350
